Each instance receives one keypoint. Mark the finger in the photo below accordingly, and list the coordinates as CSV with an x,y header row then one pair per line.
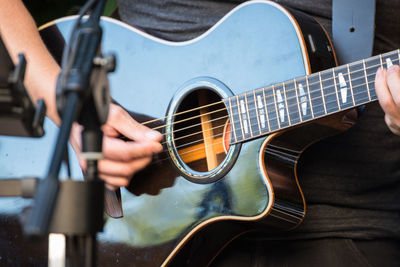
x,y
76,137
111,187
123,123
117,149
393,125
393,82
384,94
122,169
114,182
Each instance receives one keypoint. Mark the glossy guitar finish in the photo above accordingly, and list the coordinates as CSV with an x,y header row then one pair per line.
x,y
169,218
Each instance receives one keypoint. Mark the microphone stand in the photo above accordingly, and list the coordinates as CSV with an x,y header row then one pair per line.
x,y
82,95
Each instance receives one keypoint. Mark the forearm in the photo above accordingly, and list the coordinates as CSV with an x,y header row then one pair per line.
x,y
19,33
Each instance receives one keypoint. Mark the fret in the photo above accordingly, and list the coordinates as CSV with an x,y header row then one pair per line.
x,y
236,120
261,111
316,97
371,66
309,97
357,80
390,59
304,99
291,102
258,115
281,106
329,91
247,114
343,86
276,107
351,85
366,80
322,91
228,103
398,56
297,98
246,127
336,87
271,108
286,105
252,113
266,110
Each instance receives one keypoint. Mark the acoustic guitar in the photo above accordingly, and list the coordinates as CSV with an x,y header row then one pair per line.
x,y
237,106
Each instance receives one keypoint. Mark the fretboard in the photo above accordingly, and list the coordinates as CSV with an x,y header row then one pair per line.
x,y
265,110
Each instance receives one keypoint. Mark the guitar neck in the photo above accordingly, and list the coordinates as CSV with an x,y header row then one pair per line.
x,y
266,110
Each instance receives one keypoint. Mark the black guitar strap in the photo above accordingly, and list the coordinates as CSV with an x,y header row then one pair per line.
x,y
353,26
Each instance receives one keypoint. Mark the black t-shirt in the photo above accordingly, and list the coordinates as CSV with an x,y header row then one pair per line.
x,y
351,181
44,11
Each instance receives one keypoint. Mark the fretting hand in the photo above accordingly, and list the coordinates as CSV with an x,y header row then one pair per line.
x,y
387,85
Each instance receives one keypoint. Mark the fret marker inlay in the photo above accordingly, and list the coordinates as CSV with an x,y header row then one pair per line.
x,y
243,111
261,111
242,107
388,62
281,106
343,87
303,100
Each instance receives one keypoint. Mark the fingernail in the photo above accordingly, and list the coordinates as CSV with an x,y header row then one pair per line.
x,y
153,134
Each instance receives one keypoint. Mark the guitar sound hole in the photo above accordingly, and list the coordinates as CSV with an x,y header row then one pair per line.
x,y
201,130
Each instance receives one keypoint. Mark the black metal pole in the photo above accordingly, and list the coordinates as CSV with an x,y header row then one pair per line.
x,y
47,191
90,251
77,88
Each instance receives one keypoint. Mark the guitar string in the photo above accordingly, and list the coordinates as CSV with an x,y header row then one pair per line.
x,y
253,109
251,126
213,144
304,78
273,95
220,142
364,69
294,104
271,147
252,117
263,88
196,133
